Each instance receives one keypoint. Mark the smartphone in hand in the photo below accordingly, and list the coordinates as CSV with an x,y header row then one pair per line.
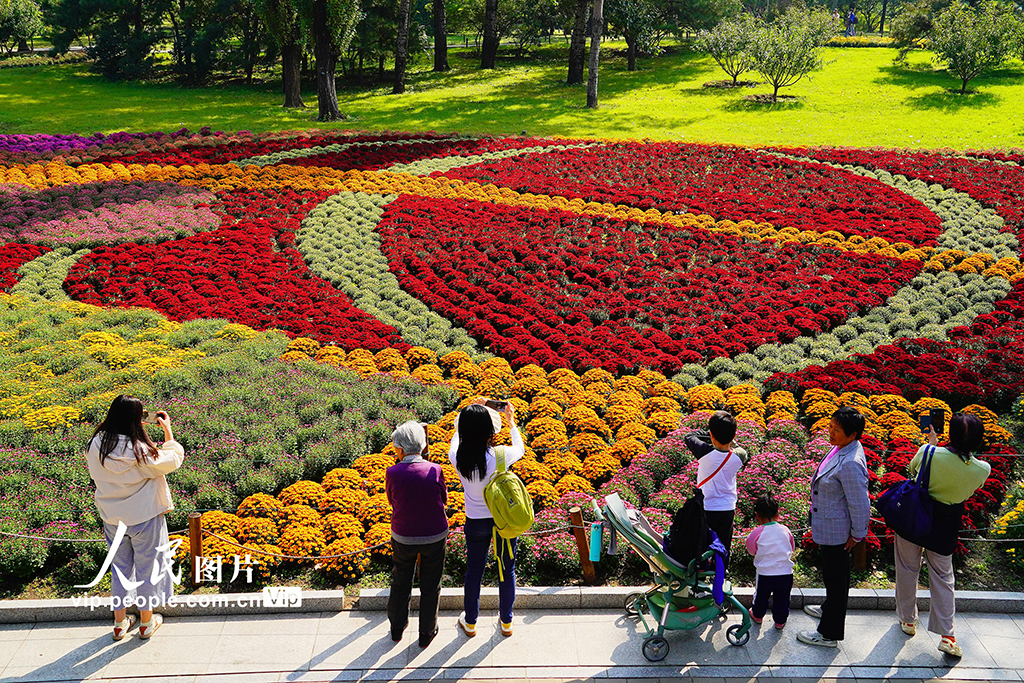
x,y
149,417
936,418
500,406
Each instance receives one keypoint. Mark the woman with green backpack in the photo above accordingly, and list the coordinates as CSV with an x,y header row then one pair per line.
x,y
474,456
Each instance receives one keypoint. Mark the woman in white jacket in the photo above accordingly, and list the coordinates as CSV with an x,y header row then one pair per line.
x,y
131,489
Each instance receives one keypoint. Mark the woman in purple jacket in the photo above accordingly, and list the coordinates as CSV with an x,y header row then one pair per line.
x,y
419,528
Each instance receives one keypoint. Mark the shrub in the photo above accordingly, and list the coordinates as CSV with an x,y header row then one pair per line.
x,y
728,43
346,569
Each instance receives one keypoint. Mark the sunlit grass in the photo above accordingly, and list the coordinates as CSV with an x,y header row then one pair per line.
x,y
859,98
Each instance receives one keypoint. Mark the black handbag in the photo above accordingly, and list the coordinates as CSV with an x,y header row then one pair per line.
x,y
906,507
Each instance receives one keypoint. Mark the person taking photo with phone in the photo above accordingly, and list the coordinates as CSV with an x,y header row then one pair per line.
x,y
131,488
955,474
473,456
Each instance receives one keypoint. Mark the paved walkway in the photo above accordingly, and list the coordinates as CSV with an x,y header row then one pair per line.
x,y
564,645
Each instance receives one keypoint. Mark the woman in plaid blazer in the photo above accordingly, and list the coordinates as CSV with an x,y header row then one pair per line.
x,y
840,512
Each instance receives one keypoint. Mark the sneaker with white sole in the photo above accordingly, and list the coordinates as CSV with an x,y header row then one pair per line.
x,y
148,628
121,630
909,627
467,628
950,647
506,629
815,638
813,610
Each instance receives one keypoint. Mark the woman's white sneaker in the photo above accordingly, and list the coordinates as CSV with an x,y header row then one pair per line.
x,y
467,628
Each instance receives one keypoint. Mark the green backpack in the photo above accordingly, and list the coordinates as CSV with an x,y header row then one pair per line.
x,y
510,505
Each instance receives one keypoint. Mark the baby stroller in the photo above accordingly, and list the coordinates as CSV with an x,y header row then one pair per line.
x,y
682,597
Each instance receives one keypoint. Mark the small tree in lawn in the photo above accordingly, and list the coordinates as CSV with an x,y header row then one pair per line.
x,y
729,44
787,49
970,40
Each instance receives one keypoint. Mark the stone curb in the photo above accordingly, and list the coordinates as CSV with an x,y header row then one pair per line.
x,y
527,597
612,597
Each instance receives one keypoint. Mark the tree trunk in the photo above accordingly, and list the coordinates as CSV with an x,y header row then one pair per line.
x,y
188,42
178,59
595,53
291,57
775,95
578,45
22,45
326,60
137,20
402,49
630,53
963,86
440,36
489,53
881,24
252,51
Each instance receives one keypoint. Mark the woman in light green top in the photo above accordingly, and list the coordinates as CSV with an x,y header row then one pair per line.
x,y
954,476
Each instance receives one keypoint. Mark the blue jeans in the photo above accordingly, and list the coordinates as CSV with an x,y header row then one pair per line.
x,y
478,540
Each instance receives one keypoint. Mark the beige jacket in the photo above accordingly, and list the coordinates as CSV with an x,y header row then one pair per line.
x,y
127,491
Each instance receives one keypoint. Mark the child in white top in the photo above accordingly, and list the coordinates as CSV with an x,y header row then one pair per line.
x,y
772,546
716,474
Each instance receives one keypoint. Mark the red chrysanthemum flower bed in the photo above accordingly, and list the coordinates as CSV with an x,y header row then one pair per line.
x,y
367,158
565,290
246,271
998,186
12,257
725,182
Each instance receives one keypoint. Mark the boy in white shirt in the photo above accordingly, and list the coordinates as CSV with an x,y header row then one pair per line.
x,y
716,474
772,545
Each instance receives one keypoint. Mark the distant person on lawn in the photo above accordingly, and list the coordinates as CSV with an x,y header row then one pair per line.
x,y
954,475
131,487
418,495
840,512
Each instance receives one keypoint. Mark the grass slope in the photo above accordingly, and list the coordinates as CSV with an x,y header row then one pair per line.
x,y
859,98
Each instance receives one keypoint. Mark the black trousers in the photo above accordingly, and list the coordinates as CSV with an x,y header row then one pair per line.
x,y
431,558
835,573
721,523
778,589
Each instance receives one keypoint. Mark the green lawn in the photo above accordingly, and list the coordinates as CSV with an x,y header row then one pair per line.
x,y
859,98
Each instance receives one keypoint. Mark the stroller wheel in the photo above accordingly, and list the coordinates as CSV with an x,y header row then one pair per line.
x,y
655,648
732,635
632,604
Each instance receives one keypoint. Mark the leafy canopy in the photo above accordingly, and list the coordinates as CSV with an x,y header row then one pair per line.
x,y
788,48
969,40
729,44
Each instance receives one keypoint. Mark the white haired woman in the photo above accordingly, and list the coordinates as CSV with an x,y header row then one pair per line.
x,y
419,529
